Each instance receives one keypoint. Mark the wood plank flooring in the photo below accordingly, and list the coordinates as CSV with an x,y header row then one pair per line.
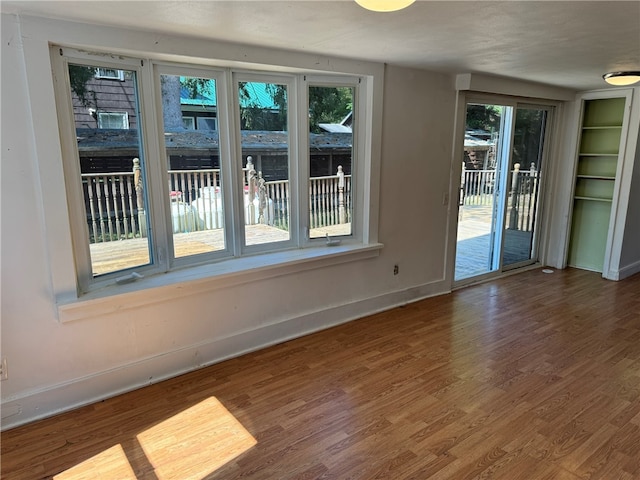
x,y
535,377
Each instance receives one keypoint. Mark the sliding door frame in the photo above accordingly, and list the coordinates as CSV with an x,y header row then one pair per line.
x,y
465,98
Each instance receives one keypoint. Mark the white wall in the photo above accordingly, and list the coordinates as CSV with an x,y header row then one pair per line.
x,y
55,366
630,257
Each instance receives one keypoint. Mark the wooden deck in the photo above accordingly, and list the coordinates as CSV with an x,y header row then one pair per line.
x,y
531,377
474,237
113,256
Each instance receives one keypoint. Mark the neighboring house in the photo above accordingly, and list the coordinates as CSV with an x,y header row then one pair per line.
x,y
105,148
201,112
479,150
110,101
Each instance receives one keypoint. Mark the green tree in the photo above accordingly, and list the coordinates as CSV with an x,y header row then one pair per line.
x,y
483,117
328,105
528,136
79,75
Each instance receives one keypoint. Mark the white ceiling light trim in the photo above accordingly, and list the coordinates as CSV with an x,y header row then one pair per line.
x,y
621,78
384,5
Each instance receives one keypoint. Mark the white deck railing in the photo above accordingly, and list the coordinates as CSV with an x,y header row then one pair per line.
x,y
115,207
477,189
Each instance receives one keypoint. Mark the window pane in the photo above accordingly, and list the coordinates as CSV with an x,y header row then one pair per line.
x,y
265,161
112,169
330,157
116,120
524,182
193,165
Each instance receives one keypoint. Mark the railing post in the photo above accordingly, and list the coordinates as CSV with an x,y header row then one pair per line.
x,y
533,188
462,186
342,214
251,193
137,181
262,199
513,215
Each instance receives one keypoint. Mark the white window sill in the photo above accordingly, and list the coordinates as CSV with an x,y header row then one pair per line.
x,y
195,280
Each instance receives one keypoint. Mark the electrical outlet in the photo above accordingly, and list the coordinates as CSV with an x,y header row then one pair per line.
x,y
4,373
396,269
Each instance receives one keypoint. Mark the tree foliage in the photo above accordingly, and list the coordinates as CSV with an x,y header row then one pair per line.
x,y
528,136
483,117
528,131
79,75
328,105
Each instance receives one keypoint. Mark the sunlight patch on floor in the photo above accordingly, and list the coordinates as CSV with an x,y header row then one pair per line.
x,y
111,463
190,445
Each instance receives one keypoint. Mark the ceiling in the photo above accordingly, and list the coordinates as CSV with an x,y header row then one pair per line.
x,y
569,44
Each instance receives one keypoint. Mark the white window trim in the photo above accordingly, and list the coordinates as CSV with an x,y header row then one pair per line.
x,y
359,167
293,153
225,274
364,228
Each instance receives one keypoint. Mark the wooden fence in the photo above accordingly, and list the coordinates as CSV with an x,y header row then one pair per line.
x,y
477,189
114,202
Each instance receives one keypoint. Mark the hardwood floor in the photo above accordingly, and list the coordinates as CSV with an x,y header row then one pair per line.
x,y
535,376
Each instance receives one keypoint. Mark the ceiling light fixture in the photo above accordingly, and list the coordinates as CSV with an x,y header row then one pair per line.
x,y
621,78
384,5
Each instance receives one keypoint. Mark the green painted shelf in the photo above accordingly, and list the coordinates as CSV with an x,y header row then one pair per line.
x,y
599,146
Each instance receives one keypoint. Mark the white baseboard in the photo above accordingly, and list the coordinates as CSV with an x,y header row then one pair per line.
x,y
42,403
629,270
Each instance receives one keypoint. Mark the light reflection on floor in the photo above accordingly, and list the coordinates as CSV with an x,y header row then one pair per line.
x,y
190,445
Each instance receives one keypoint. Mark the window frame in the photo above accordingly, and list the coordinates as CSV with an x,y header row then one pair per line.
x,y
357,150
85,281
152,144
293,154
219,76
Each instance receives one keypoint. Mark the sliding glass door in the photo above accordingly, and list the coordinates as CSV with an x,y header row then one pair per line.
x,y
499,186
524,185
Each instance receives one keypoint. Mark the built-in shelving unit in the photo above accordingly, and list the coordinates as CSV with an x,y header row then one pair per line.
x,y
598,151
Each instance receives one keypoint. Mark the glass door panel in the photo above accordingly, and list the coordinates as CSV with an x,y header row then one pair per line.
x,y
500,183
482,187
524,183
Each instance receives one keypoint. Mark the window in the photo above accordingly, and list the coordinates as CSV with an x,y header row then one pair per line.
x,y
109,73
330,109
160,195
189,123
116,120
108,180
195,191
263,113
207,123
